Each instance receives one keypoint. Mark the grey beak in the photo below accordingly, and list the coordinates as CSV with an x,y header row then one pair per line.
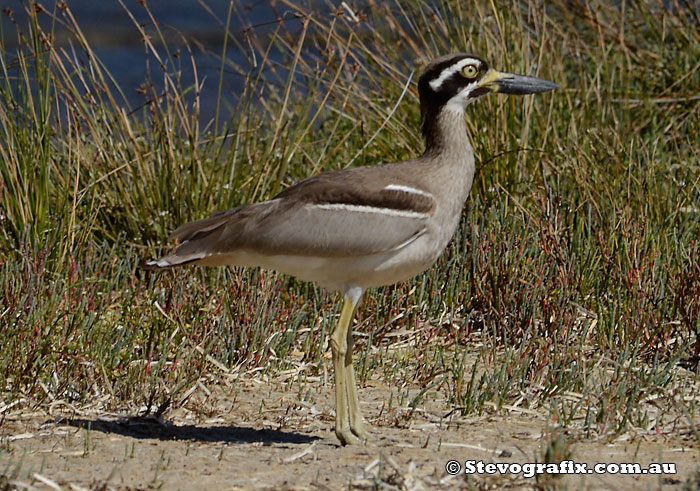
x,y
510,83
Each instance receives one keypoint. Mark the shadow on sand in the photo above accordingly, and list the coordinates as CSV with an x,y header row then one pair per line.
x,y
149,427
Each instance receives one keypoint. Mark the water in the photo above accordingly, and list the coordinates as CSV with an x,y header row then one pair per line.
x,y
116,40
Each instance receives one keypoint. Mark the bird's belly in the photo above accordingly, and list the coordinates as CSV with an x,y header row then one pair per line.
x,y
340,273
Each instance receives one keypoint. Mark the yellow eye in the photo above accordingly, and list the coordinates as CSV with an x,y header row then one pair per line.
x,y
470,71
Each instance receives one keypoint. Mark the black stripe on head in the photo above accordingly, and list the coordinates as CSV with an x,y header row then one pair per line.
x,y
436,97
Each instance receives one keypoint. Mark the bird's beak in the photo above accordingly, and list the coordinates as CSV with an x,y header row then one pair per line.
x,y
510,83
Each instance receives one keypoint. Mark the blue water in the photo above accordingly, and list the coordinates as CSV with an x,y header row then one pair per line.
x,y
116,40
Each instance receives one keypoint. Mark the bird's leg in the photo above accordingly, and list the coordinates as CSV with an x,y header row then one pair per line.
x,y
356,424
339,347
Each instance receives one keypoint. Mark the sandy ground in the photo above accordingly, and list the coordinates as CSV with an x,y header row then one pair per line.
x,y
262,437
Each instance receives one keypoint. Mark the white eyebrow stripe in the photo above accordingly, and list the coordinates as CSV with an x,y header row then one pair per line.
x,y
448,72
372,209
407,189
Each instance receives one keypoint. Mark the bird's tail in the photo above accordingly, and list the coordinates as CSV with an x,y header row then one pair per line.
x,y
197,243
170,261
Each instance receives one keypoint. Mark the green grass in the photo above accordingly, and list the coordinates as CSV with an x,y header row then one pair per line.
x,y
572,285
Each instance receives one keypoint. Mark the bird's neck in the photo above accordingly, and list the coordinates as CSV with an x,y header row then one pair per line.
x,y
449,159
445,133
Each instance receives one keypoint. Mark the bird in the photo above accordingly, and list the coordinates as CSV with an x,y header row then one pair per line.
x,y
362,227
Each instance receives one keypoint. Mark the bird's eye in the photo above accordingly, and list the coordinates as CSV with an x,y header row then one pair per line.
x,y
470,71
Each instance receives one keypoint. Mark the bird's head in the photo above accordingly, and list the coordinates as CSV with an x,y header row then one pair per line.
x,y
453,81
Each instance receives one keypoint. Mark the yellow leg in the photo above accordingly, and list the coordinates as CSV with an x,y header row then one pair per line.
x,y
348,419
357,426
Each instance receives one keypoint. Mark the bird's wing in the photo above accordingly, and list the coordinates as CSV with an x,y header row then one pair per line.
x,y
336,214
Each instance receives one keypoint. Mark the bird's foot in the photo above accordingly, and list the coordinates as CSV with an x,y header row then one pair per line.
x,y
354,436
347,437
360,432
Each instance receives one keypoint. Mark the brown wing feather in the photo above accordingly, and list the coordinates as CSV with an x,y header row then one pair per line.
x,y
198,228
294,223
357,187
